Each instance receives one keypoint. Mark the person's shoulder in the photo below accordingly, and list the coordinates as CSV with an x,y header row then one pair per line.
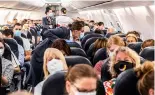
x,y
6,61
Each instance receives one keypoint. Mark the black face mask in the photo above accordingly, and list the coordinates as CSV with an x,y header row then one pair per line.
x,y
122,66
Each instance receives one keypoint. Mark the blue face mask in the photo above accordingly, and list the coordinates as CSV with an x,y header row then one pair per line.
x,y
81,35
17,33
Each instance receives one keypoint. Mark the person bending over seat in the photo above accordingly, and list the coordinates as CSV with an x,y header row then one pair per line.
x,y
27,46
7,67
61,45
113,43
123,59
145,73
54,61
81,79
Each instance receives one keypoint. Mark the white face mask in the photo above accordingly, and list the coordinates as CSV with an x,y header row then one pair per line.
x,y
111,54
1,51
85,93
51,14
54,65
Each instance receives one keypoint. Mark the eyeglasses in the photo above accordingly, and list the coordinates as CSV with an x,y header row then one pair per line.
x,y
82,90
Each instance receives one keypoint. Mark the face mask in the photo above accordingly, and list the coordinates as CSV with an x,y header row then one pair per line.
x,y
51,14
1,51
81,35
17,33
54,65
122,66
85,93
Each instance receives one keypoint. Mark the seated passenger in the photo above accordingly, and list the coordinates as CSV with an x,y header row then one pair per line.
x,y
131,38
91,25
53,61
9,35
100,25
27,46
113,43
100,43
123,58
81,79
61,45
63,19
7,67
147,43
145,73
5,27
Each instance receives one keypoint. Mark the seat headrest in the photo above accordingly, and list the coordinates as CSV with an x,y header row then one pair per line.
x,y
19,40
54,85
73,60
78,51
148,53
105,74
85,38
135,46
100,54
74,44
110,34
126,83
89,42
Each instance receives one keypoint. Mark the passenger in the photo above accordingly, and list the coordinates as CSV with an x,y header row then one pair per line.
x,y
147,43
63,19
53,61
100,43
20,93
9,35
61,45
49,20
110,30
5,27
100,25
131,38
14,21
113,43
95,26
123,59
91,25
77,29
7,67
27,46
81,80
145,73
86,29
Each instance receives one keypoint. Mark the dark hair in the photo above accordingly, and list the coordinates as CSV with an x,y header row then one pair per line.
x,y
147,43
47,9
77,25
17,24
145,73
92,21
7,32
98,31
61,44
100,23
63,10
80,71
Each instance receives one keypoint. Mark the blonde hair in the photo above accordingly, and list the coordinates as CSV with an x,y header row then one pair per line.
x,y
25,27
86,29
132,54
52,53
145,74
5,27
114,39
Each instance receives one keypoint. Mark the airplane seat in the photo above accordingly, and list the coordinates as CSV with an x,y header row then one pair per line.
x,y
33,32
23,35
78,51
86,33
126,83
29,35
90,52
140,40
100,54
148,53
73,60
89,42
55,84
136,46
19,40
105,74
74,44
28,76
7,52
100,88
13,45
110,34
122,35
85,38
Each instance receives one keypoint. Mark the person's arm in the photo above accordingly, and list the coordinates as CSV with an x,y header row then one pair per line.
x,y
21,55
27,55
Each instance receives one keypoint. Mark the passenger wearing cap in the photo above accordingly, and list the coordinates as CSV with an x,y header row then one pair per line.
x,y
54,61
63,19
123,58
